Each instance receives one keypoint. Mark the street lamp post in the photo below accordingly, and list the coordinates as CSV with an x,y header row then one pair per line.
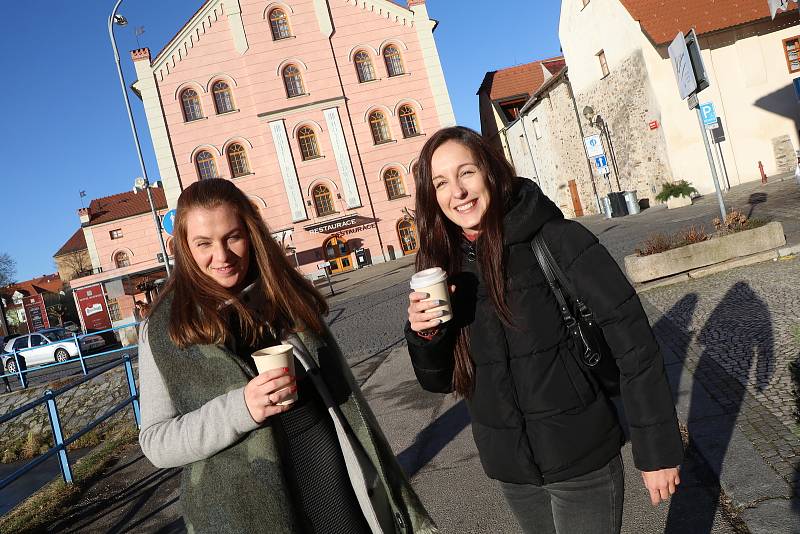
x,y
143,183
119,20
597,121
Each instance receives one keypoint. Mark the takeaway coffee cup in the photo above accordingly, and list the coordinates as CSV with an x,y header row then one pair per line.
x,y
276,357
434,283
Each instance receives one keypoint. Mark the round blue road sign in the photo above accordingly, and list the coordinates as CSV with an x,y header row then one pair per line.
x,y
169,221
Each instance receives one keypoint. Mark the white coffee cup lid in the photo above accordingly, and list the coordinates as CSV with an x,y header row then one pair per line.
x,y
428,277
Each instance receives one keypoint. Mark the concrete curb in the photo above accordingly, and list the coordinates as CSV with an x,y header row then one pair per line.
x,y
773,254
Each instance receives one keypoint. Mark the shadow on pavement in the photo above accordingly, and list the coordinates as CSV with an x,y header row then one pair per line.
x,y
434,438
128,507
737,334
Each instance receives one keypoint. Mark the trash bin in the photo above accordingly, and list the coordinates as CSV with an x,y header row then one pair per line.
x,y
632,202
606,207
618,207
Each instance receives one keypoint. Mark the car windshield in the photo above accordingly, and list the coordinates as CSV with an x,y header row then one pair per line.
x,y
58,333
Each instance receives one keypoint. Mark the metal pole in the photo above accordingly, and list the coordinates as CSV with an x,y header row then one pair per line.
x,y
724,167
604,128
710,156
330,285
55,425
158,226
80,352
133,127
21,375
134,393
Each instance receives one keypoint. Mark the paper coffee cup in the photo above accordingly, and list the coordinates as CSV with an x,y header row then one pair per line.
x,y
276,357
434,282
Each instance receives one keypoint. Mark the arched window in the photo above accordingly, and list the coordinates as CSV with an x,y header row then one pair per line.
x,y
379,127
191,105
223,99
323,201
408,121
364,69
121,259
407,231
206,168
394,63
293,81
279,24
308,143
237,159
394,184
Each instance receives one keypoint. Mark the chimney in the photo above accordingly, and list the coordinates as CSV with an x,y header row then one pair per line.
x,y
412,3
83,213
140,54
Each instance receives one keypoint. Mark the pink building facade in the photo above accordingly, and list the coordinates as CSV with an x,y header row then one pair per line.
x,y
316,109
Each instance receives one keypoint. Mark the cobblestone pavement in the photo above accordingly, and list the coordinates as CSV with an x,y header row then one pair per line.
x,y
738,332
776,201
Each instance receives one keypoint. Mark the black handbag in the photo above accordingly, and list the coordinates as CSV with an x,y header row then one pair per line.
x,y
595,353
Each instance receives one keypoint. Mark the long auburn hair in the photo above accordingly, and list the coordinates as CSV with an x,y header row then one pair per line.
x,y
441,239
197,316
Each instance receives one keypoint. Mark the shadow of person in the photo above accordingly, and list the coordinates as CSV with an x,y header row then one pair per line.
x,y
754,200
737,335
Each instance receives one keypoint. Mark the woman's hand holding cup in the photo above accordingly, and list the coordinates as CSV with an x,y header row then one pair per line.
x,y
263,394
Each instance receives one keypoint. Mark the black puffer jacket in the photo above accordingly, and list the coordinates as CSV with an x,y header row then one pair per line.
x,y
537,415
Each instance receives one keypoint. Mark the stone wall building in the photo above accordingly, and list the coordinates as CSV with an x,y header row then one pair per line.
x,y
546,144
616,51
503,92
316,109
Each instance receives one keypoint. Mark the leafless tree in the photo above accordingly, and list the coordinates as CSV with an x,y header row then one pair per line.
x,y
74,263
8,269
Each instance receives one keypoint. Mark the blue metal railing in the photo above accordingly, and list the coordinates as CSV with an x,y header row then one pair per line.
x,y
61,444
22,370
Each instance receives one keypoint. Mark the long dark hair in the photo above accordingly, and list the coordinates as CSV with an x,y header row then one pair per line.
x,y
440,238
196,317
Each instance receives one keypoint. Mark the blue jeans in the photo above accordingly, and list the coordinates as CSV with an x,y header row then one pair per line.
x,y
587,504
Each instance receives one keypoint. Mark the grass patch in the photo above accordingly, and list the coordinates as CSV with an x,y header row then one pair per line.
x,y
49,503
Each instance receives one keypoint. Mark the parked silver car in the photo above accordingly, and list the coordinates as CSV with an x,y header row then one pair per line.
x,y
47,346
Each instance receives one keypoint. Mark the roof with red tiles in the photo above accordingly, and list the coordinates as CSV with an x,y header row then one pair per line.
x,y
661,20
520,80
122,205
75,243
48,283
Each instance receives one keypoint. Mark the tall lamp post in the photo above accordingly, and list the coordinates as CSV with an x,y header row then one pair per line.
x,y
140,184
597,121
143,182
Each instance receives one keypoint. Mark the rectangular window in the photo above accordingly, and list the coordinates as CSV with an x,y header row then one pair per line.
x,y
791,47
601,55
536,130
113,310
116,234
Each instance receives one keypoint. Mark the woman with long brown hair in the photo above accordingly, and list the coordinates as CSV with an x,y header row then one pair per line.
x,y
542,422
253,461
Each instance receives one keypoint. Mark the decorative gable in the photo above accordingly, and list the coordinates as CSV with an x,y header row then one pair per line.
x,y
191,33
386,9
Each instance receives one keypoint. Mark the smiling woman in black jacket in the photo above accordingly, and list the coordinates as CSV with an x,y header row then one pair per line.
x,y
542,424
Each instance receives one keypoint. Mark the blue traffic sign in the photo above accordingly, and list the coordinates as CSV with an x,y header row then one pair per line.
x,y
709,114
168,222
600,161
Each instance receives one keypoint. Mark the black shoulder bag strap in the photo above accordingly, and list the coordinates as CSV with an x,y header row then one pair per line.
x,y
557,281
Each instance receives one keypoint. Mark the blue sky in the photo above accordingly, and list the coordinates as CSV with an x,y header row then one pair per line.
x,y
65,128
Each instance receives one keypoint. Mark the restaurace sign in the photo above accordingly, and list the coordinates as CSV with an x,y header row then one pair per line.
x,y
346,225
